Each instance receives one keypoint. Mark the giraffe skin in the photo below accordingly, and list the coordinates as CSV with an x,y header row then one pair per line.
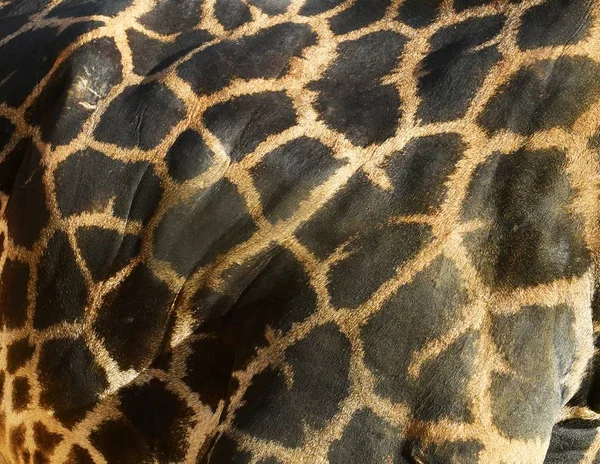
x,y
299,231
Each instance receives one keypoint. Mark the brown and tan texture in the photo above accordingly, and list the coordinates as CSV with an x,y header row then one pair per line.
x,y
299,231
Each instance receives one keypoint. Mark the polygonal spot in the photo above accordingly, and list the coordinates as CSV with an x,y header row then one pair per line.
x,y
277,297
88,180
161,417
287,175
218,215
534,238
20,393
352,98
13,293
26,212
140,117
18,354
275,410
74,91
70,379
189,156
555,22
367,438
119,441
526,400
151,55
266,54
360,14
544,95
456,66
417,314
172,16
106,251
242,123
61,292
139,305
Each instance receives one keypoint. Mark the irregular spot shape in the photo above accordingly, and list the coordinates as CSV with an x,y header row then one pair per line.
x,y
160,417
88,180
242,123
79,8
344,217
26,212
70,379
106,251
418,13
218,215
527,399
139,305
455,68
570,441
319,363
287,175
24,62
352,98
189,156
119,441
7,130
315,7
19,353
271,7
12,19
17,443
13,293
211,303
74,91
278,296
533,238
24,8
443,385
588,394
360,14
45,440
266,54
79,455
11,161
418,313
367,438
232,13
141,116
152,55
172,16
554,22
372,259
61,292
209,369
418,175
459,451
164,355
542,96
420,171
20,394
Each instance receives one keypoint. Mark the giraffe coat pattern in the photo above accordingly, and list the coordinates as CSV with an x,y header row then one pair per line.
x,y
299,231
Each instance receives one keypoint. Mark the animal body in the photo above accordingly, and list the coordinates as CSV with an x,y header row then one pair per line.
x,y
299,231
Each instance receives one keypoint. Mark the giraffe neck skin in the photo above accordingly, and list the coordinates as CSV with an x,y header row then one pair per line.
x,y
299,231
